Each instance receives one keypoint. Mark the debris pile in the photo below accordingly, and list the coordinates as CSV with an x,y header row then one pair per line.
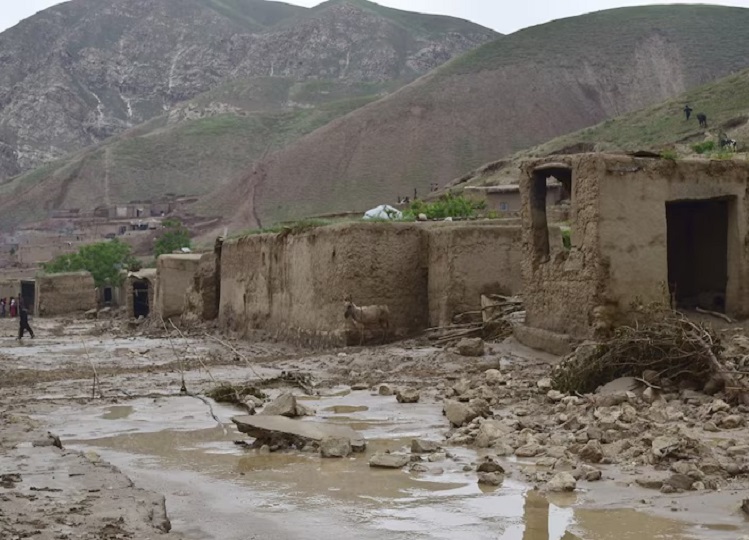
x,y
493,321
664,345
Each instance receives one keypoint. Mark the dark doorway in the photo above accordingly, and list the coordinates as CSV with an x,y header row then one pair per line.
x,y
140,299
698,253
108,296
28,295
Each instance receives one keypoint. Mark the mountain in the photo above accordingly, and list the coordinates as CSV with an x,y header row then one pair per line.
x,y
661,128
85,70
510,94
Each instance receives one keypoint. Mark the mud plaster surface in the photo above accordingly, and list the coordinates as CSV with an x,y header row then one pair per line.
x,y
171,446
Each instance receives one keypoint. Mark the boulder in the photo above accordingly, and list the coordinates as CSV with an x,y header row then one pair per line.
x,y
471,347
383,460
680,482
490,432
544,384
459,414
335,447
664,445
422,446
561,482
91,314
283,405
651,481
490,465
592,452
480,406
407,395
529,450
732,421
493,377
385,390
491,479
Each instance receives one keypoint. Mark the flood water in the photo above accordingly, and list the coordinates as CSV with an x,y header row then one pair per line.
x,y
216,489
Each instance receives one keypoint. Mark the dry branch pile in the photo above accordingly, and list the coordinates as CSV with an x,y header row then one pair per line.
x,y
492,321
665,343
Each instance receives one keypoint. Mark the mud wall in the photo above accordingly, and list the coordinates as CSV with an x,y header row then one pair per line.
x,y
294,285
175,274
64,294
466,261
10,288
202,299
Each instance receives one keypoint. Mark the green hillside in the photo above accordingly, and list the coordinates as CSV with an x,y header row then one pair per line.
x,y
660,128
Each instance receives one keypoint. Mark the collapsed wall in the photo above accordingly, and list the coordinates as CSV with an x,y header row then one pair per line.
x,y
64,294
294,285
175,274
466,261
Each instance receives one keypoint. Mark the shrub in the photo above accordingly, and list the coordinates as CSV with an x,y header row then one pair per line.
x,y
669,154
446,206
704,147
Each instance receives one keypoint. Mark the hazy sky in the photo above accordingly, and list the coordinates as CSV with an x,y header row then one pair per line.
x,y
503,15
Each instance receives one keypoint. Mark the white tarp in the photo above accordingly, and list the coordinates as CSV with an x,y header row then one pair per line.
x,y
383,211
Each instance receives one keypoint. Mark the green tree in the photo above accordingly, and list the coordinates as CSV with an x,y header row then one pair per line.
x,y
105,261
175,236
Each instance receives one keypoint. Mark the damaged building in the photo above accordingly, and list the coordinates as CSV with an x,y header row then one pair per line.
x,y
642,230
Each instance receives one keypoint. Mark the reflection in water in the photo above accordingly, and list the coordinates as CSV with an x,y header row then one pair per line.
x,y
117,412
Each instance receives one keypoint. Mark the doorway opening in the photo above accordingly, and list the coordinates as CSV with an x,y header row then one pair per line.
x,y
28,295
141,307
539,200
698,253
108,296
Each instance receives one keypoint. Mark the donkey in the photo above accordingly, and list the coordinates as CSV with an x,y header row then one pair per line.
x,y
367,316
702,117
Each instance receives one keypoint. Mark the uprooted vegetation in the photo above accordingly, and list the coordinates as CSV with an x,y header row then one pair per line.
x,y
662,345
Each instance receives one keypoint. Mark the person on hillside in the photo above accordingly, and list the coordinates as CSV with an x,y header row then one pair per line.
x,y
13,307
2,308
24,323
687,111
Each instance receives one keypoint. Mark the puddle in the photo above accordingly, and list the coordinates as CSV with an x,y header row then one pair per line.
x,y
117,412
216,489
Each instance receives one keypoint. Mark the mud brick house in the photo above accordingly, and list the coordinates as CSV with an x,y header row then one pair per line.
x,y
642,229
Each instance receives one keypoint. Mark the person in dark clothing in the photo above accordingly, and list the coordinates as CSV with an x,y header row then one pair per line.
x,y
24,326
687,111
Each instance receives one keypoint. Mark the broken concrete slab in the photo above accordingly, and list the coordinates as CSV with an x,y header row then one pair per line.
x,y
279,429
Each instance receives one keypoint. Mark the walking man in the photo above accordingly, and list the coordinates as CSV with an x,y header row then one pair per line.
x,y
687,111
24,323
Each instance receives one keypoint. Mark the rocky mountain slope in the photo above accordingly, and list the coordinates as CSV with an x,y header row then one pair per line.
x,y
84,70
510,94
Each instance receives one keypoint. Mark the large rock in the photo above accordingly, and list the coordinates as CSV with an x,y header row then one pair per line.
x,y
407,395
459,414
490,465
335,447
471,347
665,445
563,481
493,377
283,405
491,479
490,432
283,431
422,446
592,452
389,461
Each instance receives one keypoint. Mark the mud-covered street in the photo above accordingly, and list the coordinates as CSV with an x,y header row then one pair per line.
x,y
141,458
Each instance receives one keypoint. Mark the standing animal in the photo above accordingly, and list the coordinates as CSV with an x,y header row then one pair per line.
x,y
367,316
702,117
725,142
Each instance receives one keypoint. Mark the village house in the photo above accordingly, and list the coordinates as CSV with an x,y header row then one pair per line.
x,y
643,230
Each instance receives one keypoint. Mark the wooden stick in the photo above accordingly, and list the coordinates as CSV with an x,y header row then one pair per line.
x,y
715,314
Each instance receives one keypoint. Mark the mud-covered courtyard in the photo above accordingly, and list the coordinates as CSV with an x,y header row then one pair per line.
x,y
140,457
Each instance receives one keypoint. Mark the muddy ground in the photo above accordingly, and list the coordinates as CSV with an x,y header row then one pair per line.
x,y
141,458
